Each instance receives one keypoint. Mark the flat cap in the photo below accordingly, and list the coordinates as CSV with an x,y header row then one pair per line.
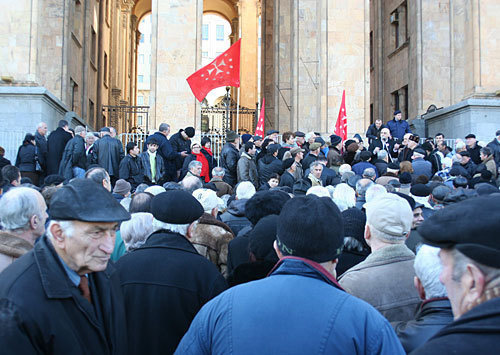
x,y
296,150
165,207
105,129
470,135
287,163
393,166
84,200
319,140
315,146
271,131
257,138
299,134
471,226
420,190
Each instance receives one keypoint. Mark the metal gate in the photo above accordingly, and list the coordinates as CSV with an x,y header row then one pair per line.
x,y
131,119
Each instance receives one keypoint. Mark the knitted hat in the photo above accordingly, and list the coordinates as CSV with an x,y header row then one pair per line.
x,y
189,132
122,187
311,227
262,237
288,163
165,207
405,178
354,224
334,139
245,137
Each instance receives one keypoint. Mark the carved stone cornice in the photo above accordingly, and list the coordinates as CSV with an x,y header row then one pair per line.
x,y
127,5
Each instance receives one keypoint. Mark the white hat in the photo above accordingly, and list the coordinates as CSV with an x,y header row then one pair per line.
x,y
390,214
208,199
155,190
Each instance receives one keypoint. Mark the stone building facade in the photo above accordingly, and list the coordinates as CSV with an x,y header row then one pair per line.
x,y
427,55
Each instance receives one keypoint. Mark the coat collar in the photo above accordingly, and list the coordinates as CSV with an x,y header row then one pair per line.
x,y
12,245
293,265
386,255
170,240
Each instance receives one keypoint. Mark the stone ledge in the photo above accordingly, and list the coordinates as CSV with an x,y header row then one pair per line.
x,y
495,103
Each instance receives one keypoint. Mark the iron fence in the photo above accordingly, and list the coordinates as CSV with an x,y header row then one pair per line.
x,y
127,118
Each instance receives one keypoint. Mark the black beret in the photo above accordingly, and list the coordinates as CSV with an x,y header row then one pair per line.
x,y
420,190
262,237
470,135
189,132
299,134
393,166
419,151
334,139
440,192
165,207
405,178
84,200
470,226
287,163
464,153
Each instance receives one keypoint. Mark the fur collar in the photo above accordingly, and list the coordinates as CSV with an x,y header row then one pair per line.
x,y
12,245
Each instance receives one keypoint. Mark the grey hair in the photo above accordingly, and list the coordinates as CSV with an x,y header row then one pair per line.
x,y
315,163
460,262
79,129
90,134
362,185
319,191
460,145
428,268
374,191
346,175
40,124
344,168
191,183
369,173
164,127
344,197
67,227
194,163
382,154
17,206
136,230
244,190
218,171
174,228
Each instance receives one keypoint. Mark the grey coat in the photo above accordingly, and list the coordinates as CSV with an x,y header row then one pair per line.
x,y
385,280
247,170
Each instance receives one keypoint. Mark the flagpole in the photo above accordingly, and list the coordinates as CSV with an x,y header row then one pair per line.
x,y
238,110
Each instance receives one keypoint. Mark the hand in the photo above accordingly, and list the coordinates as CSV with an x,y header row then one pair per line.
x,y
184,154
376,150
396,146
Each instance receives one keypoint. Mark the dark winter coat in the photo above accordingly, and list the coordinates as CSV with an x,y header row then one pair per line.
x,y
373,132
26,158
108,153
350,258
471,168
494,145
169,155
53,317
212,162
165,282
132,170
422,167
229,161
381,166
398,128
41,144
247,170
238,252
388,147
475,332
73,156
474,154
308,160
267,166
180,144
234,216
287,179
360,167
55,147
432,316
334,158
3,162
146,166
223,188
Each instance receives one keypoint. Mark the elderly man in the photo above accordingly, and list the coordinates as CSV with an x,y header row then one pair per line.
x,y
435,311
194,169
22,217
41,144
108,153
419,164
385,142
473,148
362,185
467,233
74,304
74,159
299,309
385,278
165,281
223,188
234,216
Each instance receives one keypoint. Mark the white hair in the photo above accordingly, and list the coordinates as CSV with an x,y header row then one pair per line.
x,y
244,190
67,227
459,145
344,196
90,134
428,268
456,159
136,230
447,162
194,163
319,191
218,171
382,154
155,189
175,228
17,206
344,168
330,189
374,191
40,124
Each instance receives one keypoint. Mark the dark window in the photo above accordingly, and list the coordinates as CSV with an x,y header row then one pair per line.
x,y
105,68
93,45
371,49
91,111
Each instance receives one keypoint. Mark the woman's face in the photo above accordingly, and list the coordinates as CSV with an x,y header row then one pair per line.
x,y
196,148
207,145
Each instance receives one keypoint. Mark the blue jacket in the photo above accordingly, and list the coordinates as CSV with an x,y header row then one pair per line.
x,y
358,168
398,128
299,309
422,167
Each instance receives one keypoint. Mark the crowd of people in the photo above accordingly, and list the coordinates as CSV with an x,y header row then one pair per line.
x,y
277,244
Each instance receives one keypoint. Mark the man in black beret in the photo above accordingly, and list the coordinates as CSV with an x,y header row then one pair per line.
x,y
473,148
300,138
467,233
300,306
165,282
288,179
273,135
181,145
63,297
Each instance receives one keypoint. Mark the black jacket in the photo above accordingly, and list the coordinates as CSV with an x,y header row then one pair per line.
x,y
237,250
267,166
25,159
3,162
474,154
132,170
431,316
287,179
373,133
165,282
42,312
55,147
180,144
108,153
494,145
388,147
229,161
41,144
235,217
74,155
475,332
169,155
381,166
308,160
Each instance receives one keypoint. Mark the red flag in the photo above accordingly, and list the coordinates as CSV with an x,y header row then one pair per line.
x,y
341,126
259,131
222,71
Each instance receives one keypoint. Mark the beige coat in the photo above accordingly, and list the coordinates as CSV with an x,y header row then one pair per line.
x,y
385,280
11,248
211,237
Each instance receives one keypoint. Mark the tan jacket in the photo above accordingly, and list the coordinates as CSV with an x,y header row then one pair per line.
x,y
211,237
385,280
11,248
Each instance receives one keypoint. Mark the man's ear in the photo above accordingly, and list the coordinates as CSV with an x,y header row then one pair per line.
x,y
58,237
34,221
368,234
190,230
473,282
419,287
277,250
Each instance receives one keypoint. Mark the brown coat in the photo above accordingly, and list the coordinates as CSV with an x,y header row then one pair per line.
x,y
11,248
223,188
491,166
211,237
334,158
385,280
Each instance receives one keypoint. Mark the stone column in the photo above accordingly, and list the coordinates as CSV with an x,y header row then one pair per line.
x,y
249,48
176,54
268,83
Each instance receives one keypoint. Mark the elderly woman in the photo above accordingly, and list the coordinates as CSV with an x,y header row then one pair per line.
x,y
344,197
135,231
